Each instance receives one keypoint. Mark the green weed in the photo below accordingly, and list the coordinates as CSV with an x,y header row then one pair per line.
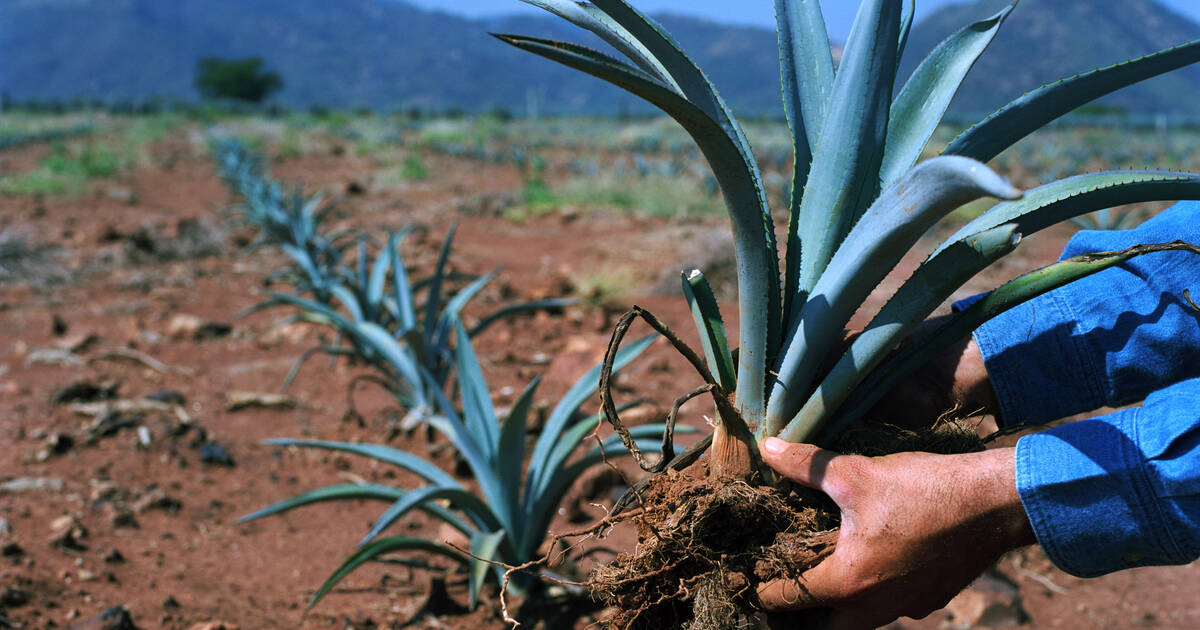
x,y
65,172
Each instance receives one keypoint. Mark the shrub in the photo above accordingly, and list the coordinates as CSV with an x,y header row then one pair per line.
x,y
245,79
65,171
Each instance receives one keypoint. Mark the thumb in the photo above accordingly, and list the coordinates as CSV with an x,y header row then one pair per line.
x,y
804,464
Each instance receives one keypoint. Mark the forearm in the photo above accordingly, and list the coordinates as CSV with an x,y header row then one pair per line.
x,y
997,504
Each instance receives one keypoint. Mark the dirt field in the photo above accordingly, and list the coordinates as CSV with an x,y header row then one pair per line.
x,y
134,289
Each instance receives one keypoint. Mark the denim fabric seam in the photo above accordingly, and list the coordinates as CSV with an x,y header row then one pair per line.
x,y
1153,507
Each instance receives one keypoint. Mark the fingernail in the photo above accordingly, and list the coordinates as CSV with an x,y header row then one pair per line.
x,y
774,446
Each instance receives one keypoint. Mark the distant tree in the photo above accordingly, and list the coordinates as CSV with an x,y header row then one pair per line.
x,y
245,79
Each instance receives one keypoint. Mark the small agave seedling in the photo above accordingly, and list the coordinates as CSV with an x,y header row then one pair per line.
x,y
859,202
507,519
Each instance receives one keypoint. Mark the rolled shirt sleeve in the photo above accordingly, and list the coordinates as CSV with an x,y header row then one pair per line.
x,y
1107,340
1120,490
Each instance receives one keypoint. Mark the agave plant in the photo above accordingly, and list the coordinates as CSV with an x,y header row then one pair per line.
x,y
382,323
1110,219
17,139
508,517
860,199
291,222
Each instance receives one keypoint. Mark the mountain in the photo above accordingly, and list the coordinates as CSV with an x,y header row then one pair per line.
x,y
381,53
1045,40
388,54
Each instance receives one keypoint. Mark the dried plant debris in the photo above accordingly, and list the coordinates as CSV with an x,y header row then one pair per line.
x,y
260,400
40,265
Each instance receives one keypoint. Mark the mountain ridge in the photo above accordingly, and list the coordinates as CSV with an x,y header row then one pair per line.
x,y
388,54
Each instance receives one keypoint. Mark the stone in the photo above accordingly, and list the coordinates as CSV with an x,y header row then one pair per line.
x,y
122,517
105,490
122,194
992,600
54,356
77,343
59,443
115,618
290,334
185,326
111,422
12,597
168,396
129,406
68,534
215,454
156,499
84,391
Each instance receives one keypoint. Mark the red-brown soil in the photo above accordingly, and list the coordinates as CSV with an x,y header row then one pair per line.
x,y
189,562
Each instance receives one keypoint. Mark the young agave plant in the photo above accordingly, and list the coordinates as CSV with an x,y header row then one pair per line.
x,y
382,323
507,519
289,222
860,201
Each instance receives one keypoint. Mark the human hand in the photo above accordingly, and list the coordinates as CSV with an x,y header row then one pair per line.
x,y
954,379
916,529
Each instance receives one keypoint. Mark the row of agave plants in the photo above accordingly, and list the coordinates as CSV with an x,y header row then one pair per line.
x,y
860,201
13,140
411,333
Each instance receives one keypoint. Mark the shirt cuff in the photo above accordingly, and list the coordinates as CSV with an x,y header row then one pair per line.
x,y
1089,498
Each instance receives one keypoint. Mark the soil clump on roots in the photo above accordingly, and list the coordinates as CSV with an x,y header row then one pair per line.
x,y
705,544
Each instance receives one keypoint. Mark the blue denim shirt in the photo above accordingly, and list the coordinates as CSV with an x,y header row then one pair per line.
x,y
1123,489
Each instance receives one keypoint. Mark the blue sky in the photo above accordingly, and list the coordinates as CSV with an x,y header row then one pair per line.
x,y
839,13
